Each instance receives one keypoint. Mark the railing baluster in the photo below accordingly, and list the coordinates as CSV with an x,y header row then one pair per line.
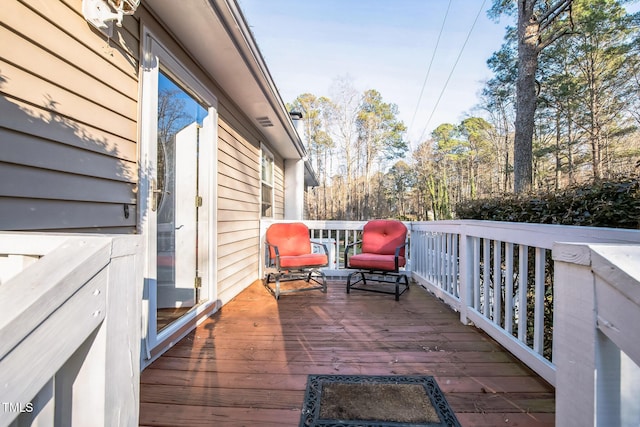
x,y
434,257
340,250
523,274
333,255
420,253
442,259
446,263
454,263
443,262
439,260
497,281
429,256
538,337
476,273
508,287
486,275
446,271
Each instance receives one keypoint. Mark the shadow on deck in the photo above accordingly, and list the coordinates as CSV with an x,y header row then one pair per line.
x,y
247,365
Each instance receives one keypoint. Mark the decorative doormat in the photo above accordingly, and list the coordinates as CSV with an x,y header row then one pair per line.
x,y
375,401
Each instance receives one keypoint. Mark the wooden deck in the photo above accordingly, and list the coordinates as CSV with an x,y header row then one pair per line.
x,y
248,364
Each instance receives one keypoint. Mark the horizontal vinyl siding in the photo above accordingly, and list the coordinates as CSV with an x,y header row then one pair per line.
x,y
57,214
238,208
45,184
68,120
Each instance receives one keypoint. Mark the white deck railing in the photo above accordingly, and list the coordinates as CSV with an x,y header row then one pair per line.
x,y
70,329
499,276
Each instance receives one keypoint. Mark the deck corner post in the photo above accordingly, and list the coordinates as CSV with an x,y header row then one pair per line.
x,y
575,335
122,332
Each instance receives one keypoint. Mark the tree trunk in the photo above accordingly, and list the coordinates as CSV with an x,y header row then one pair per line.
x,y
507,173
596,134
526,96
558,148
570,144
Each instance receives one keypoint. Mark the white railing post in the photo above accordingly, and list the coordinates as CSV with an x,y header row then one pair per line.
x,y
574,300
596,345
122,331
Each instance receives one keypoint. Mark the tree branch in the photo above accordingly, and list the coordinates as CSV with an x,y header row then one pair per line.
x,y
553,38
555,10
549,18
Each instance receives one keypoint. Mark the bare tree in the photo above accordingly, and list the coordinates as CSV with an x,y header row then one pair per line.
x,y
343,116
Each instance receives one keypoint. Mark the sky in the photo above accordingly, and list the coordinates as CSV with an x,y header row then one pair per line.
x,y
393,46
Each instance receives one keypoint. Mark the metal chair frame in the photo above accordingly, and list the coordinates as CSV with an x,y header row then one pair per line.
x,y
394,277
313,275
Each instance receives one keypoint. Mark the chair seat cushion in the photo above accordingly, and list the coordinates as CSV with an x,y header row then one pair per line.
x,y
375,262
307,260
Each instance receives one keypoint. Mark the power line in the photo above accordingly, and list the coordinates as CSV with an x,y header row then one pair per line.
x,y
452,70
426,77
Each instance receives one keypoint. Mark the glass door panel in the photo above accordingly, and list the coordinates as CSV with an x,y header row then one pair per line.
x,y
176,201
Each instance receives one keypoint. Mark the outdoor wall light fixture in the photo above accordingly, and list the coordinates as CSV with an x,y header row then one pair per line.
x,y
102,13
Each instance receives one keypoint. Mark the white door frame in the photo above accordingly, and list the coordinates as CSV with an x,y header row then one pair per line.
x,y
153,54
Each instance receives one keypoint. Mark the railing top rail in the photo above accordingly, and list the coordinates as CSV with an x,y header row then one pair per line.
x,y
322,224
538,235
327,224
25,243
33,294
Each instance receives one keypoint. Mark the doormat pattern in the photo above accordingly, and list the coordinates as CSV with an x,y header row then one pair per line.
x,y
375,401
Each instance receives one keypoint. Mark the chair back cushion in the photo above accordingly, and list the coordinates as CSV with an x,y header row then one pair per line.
x,y
292,239
383,236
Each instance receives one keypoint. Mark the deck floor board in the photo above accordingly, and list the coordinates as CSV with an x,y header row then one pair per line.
x,y
247,365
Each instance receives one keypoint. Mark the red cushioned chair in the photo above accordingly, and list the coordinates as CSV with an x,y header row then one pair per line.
x,y
290,258
383,255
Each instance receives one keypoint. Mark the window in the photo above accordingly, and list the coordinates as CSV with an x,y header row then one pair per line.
x,y
267,183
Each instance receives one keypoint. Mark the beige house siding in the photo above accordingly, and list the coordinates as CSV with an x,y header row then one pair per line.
x,y
68,127
239,203
238,210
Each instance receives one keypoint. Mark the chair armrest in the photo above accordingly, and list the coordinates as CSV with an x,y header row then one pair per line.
x,y
397,254
323,246
346,252
268,246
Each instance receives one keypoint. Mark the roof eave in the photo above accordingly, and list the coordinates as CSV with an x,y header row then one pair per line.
x,y
216,35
